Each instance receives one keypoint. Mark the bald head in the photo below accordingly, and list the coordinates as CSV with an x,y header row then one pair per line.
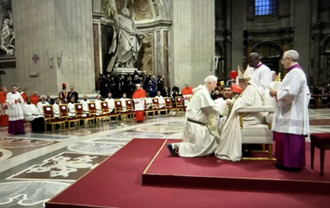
x,y
254,59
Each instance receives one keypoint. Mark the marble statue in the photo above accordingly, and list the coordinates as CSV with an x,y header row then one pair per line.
x,y
7,36
127,39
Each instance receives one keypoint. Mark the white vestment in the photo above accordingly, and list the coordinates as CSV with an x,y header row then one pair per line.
x,y
85,106
197,138
39,106
71,109
261,77
291,113
15,109
111,104
139,104
56,110
98,107
123,103
161,101
230,143
148,100
31,112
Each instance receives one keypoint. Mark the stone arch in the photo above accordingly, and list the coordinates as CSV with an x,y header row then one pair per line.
x,y
324,71
271,53
219,60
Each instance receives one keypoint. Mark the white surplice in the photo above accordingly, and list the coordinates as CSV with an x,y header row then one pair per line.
x,y
123,103
161,101
85,106
230,143
71,109
148,100
98,107
111,104
39,106
15,109
31,112
291,113
197,138
261,77
139,104
56,110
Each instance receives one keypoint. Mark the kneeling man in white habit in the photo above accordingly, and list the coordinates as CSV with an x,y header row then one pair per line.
x,y
197,138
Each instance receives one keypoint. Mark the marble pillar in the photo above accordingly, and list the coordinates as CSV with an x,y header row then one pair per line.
x,y
238,26
302,23
192,39
316,59
54,45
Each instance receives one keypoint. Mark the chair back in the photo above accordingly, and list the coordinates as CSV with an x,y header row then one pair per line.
x,y
118,105
64,112
79,109
129,105
168,102
104,107
48,111
92,108
178,101
155,103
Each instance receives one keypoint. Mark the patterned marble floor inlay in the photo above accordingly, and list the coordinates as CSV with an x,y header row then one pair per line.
x,y
22,143
28,193
160,129
65,166
5,154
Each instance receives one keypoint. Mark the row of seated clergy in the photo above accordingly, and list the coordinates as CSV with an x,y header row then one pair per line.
x,y
33,115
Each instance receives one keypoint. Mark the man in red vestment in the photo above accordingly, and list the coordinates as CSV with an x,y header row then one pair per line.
x,y
4,119
35,98
187,92
24,95
139,96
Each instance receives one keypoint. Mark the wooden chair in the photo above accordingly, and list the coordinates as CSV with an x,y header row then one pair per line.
x,y
130,108
148,110
169,106
93,112
321,141
105,110
179,103
156,106
50,119
80,114
64,113
120,110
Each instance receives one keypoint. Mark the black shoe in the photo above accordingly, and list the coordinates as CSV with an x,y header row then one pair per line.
x,y
171,149
279,166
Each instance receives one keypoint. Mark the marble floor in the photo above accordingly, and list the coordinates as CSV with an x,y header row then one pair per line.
x,y
36,167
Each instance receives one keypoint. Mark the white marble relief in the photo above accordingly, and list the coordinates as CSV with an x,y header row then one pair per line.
x,y
61,165
29,193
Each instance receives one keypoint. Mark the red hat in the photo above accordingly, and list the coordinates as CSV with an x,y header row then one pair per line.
x,y
63,85
236,89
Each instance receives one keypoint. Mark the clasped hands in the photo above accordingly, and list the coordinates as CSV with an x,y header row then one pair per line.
x,y
272,93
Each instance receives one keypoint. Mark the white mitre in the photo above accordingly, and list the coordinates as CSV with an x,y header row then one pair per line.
x,y
244,75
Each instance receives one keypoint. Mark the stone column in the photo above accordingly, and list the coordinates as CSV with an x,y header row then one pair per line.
x,y
238,26
302,23
192,41
58,35
316,59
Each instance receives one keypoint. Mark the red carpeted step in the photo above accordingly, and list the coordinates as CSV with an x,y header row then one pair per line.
x,y
117,182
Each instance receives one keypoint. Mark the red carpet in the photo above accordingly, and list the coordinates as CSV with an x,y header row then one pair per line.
x,y
210,172
117,182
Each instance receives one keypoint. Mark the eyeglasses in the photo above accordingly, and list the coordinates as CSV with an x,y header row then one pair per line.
x,y
283,59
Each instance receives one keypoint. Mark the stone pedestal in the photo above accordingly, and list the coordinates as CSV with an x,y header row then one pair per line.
x,y
120,70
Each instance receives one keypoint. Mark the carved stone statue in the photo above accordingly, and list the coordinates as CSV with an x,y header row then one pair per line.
x,y
127,39
7,35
